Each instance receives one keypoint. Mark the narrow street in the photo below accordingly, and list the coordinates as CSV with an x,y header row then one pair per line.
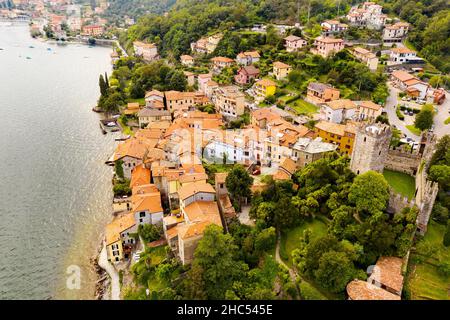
x,y
109,268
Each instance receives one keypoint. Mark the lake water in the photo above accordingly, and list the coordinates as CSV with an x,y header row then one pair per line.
x,y
55,190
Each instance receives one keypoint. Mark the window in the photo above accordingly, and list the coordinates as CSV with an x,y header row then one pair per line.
x,y
141,214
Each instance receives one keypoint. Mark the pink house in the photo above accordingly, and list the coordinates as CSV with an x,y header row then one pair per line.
x,y
202,80
246,74
293,43
325,46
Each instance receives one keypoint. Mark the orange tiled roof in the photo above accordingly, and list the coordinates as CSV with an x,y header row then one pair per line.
x,y
266,83
281,65
193,188
341,104
222,59
203,211
148,201
390,272
370,105
118,225
140,176
402,75
362,290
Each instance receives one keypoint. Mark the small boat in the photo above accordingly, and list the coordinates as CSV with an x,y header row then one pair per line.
x,y
28,58
31,47
49,49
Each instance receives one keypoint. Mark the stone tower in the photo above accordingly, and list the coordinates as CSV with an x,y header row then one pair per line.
x,y
370,148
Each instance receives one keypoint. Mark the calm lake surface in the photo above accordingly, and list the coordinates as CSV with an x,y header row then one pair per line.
x,y
55,191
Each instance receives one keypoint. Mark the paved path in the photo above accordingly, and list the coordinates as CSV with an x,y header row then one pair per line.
x,y
108,267
244,217
292,272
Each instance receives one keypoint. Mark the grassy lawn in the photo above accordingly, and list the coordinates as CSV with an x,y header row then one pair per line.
x,y
401,182
426,282
414,130
303,107
125,129
140,100
290,239
447,121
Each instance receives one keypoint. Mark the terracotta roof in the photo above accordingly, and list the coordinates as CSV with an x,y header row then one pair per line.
x,y
402,50
153,112
192,230
292,38
289,165
148,201
341,104
144,188
186,57
222,59
172,233
265,113
361,50
192,177
220,177
154,93
266,83
253,54
140,176
118,225
389,272
144,45
335,128
202,211
177,95
402,75
250,70
204,76
329,40
281,65
370,105
193,188
134,148
362,290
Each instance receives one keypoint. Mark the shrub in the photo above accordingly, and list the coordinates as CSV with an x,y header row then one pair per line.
x,y
447,235
150,232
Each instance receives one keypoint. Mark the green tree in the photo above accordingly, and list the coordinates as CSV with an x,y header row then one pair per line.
x,y
150,232
446,240
118,166
335,271
215,255
102,85
163,272
238,183
266,239
369,192
424,119
440,174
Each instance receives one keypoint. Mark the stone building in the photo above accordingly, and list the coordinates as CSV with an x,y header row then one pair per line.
x,y
370,148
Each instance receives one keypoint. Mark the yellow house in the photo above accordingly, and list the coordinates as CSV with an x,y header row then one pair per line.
x,y
119,237
281,70
343,135
264,88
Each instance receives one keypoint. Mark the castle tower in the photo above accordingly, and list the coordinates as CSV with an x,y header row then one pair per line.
x,y
370,148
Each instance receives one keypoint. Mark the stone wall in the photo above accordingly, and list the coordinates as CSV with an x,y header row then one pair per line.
x,y
401,161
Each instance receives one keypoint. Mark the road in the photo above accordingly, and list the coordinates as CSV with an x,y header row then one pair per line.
x,y
390,106
440,128
109,268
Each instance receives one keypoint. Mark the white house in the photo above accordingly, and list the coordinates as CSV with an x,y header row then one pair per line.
x,y
338,110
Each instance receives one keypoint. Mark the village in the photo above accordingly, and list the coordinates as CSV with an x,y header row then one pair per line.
x,y
171,170
265,117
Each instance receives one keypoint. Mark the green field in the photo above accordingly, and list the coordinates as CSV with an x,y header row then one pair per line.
x,y
425,282
303,107
414,130
291,238
401,182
